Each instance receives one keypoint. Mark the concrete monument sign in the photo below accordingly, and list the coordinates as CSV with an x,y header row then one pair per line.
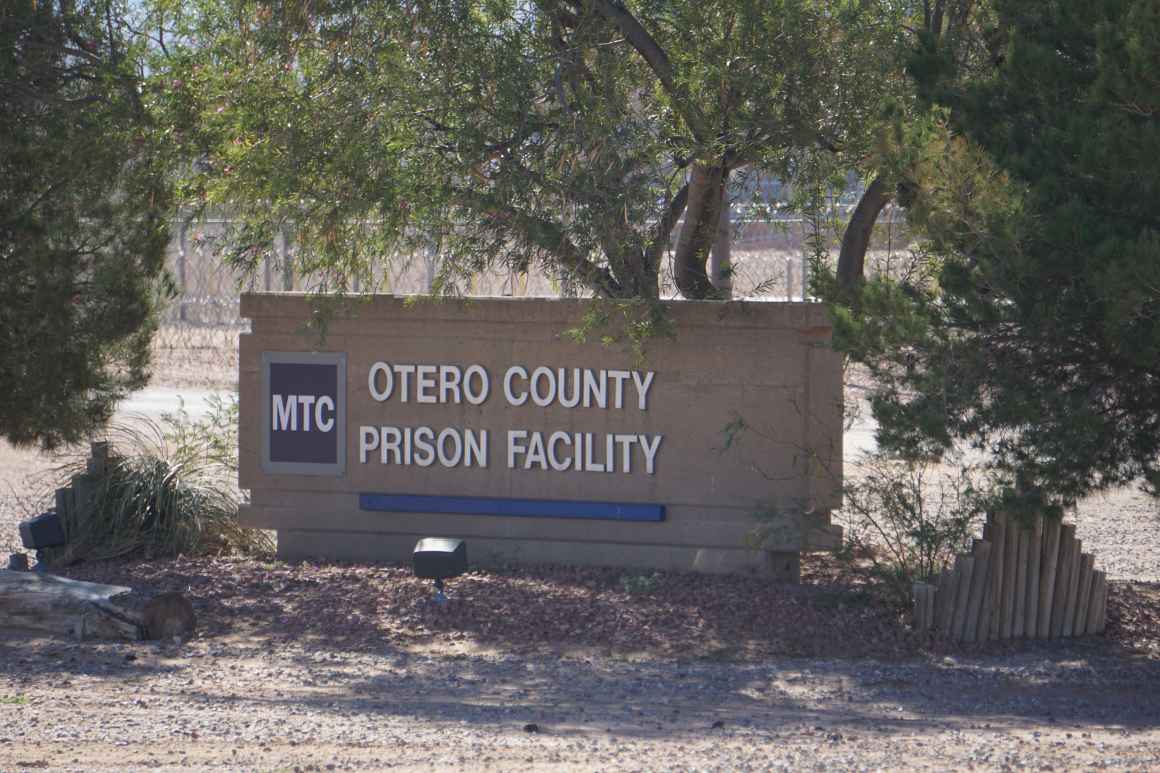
x,y
478,419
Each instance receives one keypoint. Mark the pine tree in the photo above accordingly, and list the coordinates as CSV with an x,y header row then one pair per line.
x,y
82,220
1036,332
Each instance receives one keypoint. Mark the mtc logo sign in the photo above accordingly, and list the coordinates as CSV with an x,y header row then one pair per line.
x,y
286,411
304,416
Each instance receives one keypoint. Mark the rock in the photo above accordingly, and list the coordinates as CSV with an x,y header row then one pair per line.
x,y
168,616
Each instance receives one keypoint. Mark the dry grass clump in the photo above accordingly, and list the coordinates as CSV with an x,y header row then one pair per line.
x,y
161,493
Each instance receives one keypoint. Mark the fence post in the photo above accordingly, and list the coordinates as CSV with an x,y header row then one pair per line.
x,y
284,258
182,233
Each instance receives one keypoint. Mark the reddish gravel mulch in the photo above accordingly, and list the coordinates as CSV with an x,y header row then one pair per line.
x,y
357,607
833,614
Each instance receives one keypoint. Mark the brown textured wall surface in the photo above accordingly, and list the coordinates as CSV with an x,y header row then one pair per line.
x,y
767,364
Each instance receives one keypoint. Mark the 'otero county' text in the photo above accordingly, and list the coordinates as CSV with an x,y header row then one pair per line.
x,y
542,386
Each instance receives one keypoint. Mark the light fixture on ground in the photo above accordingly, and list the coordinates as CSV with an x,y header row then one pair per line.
x,y
439,559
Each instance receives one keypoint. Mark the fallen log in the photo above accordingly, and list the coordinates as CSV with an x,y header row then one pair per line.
x,y
58,605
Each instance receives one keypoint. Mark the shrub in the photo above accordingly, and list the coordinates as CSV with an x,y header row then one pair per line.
x,y
909,518
211,441
640,584
169,489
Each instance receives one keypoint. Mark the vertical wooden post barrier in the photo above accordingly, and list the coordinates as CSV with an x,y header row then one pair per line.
x,y
1034,556
1010,558
1021,579
999,535
1086,566
966,573
982,554
1062,579
1052,532
1019,621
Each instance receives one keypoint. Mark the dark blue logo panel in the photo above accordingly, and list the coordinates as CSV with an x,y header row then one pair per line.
x,y
304,427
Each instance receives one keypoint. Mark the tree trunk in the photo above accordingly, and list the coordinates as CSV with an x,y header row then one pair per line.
x,y
856,239
721,258
65,607
706,190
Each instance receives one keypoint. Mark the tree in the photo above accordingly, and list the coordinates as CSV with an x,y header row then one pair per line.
x,y
944,33
82,220
1035,334
573,134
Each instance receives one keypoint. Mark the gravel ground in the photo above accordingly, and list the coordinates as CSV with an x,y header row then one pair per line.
x,y
230,703
305,667
350,668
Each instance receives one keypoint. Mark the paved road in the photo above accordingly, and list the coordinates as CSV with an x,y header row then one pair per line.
x,y
151,403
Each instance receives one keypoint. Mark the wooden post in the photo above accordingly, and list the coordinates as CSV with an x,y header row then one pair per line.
x,y
98,461
84,490
982,554
966,572
999,532
923,606
987,608
1097,614
64,501
1034,555
931,601
945,594
1049,567
1093,602
1086,565
952,591
916,606
928,615
1010,559
1019,621
1072,589
1062,579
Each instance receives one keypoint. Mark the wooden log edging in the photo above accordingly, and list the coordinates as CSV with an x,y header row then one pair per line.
x,y
1021,580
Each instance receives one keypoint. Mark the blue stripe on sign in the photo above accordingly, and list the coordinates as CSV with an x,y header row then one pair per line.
x,y
527,508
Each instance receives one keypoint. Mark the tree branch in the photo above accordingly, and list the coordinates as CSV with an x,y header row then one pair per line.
x,y
706,190
549,237
856,239
657,60
664,229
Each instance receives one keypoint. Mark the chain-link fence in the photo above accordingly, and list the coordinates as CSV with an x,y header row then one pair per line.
x,y
197,344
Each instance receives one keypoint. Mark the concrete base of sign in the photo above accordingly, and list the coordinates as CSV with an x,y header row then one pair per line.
x,y
297,545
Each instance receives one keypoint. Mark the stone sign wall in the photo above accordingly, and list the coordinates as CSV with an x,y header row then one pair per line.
x,y
479,419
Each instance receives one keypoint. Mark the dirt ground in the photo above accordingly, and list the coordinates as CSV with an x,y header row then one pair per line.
x,y
334,667
307,667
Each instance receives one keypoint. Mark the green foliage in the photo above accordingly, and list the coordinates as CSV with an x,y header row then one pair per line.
x,y
910,518
210,442
173,493
1033,331
13,700
83,201
631,324
555,133
640,584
